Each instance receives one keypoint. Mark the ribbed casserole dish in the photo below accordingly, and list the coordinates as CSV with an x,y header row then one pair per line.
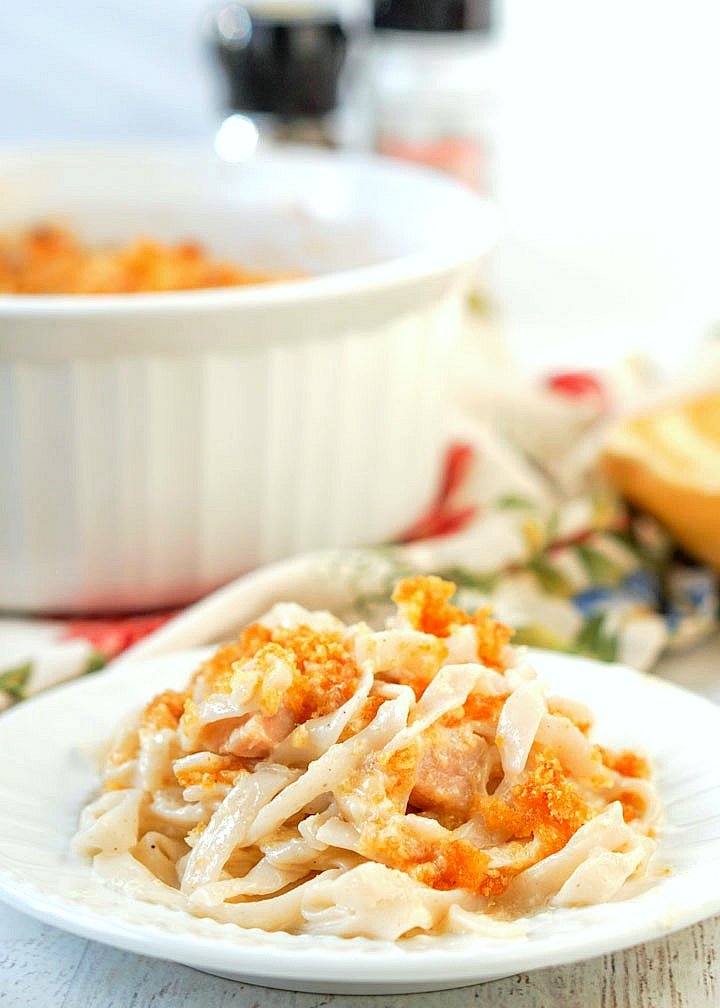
x,y
155,445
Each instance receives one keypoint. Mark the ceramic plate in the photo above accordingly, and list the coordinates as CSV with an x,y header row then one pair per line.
x,y
47,773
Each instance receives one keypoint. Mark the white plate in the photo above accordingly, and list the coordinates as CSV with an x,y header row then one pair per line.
x,y
46,776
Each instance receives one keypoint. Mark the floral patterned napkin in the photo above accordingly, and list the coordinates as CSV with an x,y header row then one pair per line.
x,y
522,521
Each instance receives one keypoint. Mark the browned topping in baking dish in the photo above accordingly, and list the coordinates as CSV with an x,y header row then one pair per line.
x,y
53,260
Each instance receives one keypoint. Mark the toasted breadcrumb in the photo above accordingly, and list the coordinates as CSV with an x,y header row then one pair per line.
x,y
626,763
163,711
217,769
424,601
546,806
52,260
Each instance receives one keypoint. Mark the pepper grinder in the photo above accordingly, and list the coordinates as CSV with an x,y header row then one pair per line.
x,y
282,66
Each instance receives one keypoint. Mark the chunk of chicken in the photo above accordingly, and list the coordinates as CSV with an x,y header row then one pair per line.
x,y
452,767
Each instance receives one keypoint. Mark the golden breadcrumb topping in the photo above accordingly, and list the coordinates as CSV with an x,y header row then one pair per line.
x,y
424,601
626,763
326,675
453,864
163,711
52,260
215,770
547,807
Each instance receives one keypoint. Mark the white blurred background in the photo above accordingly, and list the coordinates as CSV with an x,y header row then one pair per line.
x,y
605,142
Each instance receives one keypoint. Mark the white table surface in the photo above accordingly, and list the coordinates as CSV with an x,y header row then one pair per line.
x,y
41,966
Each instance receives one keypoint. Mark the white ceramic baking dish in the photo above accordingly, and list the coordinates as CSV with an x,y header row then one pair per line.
x,y
152,446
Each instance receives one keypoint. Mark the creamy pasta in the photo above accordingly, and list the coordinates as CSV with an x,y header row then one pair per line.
x,y
323,778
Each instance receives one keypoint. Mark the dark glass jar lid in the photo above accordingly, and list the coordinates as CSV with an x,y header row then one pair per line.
x,y
434,15
286,66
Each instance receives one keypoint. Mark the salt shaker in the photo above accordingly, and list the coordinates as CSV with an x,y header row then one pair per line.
x,y
431,80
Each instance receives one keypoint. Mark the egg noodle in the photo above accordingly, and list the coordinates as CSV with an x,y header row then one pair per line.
x,y
323,778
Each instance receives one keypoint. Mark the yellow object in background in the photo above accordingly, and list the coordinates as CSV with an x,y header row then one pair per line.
x,y
667,462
